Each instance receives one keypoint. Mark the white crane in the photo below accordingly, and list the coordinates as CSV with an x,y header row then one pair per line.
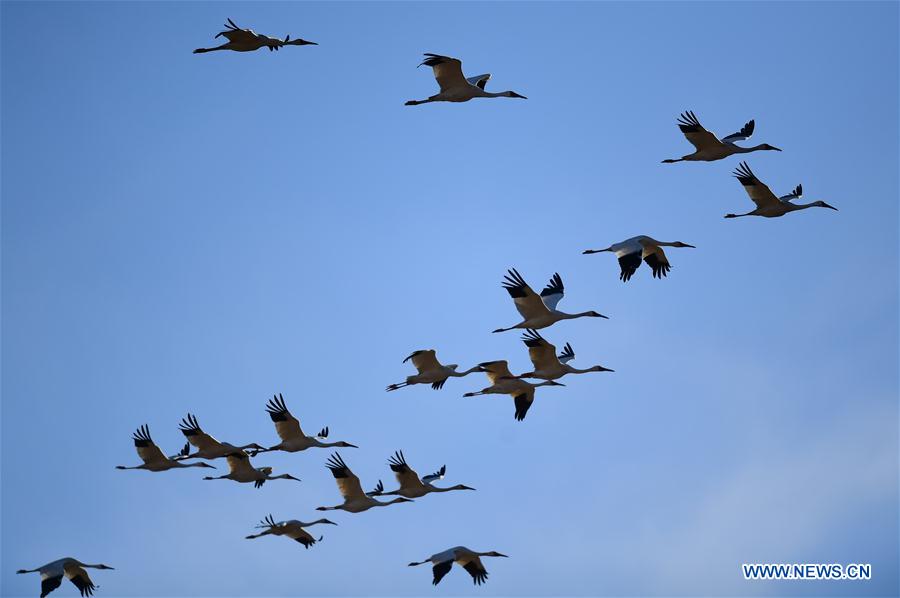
x,y
469,560
504,383
291,528
292,437
73,569
430,371
709,147
355,500
769,205
207,446
410,484
241,470
153,458
455,87
547,364
539,311
247,40
631,251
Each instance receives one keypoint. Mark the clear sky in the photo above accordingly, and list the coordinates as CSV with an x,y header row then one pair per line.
x,y
193,233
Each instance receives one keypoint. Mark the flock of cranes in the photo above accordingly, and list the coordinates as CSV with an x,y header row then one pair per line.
x,y
538,311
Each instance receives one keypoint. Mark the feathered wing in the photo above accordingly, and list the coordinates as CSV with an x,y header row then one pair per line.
x,y
628,264
694,132
567,355
50,583
406,476
233,33
433,477
79,577
797,193
238,462
447,71
541,352
146,449
195,435
657,260
496,370
286,425
742,135
347,482
553,292
523,403
476,570
479,80
529,303
424,360
761,195
440,570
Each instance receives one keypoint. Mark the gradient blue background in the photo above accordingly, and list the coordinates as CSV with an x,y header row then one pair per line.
x,y
194,233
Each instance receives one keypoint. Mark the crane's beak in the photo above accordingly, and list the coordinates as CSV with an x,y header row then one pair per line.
x,y
829,206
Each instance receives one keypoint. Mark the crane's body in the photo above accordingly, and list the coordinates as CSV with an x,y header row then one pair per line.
x,y
430,370
207,446
74,570
152,457
247,40
355,500
709,147
291,528
547,364
504,383
466,558
455,87
411,485
769,205
631,251
292,437
539,311
242,471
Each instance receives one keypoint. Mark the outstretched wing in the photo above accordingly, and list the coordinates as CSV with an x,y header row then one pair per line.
x,y
529,304
406,476
235,34
496,370
553,292
657,260
567,355
523,404
447,71
761,195
239,461
628,264
190,427
797,193
699,137
541,352
79,577
438,475
347,482
742,135
479,80
146,449
50,583
440,570
476,570
286,425
424,360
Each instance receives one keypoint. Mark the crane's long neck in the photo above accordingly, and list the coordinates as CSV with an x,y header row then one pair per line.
x,y
746,150
316,522
793,207
565,316
465,373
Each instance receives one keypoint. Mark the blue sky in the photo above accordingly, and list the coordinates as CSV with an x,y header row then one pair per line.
x,y
195,233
